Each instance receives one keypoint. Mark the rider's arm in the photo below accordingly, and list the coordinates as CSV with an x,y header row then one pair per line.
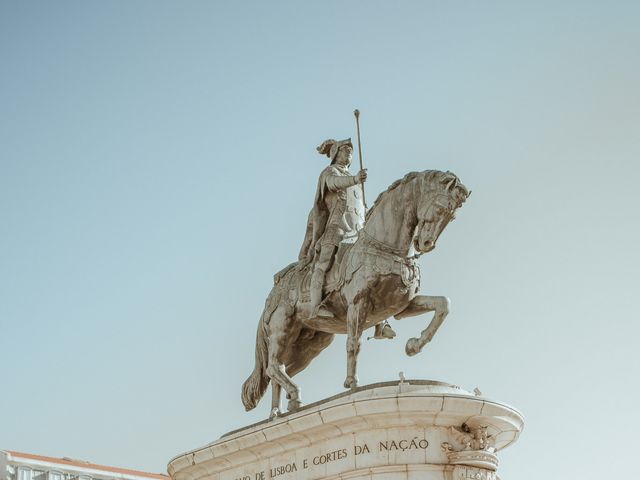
x,y
339,182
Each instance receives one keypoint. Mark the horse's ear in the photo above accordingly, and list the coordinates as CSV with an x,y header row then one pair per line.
x,y
453,183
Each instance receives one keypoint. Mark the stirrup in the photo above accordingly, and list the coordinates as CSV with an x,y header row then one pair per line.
x,y
322,312
385,333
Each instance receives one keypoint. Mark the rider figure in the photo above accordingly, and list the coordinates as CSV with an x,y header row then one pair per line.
x,y
337,216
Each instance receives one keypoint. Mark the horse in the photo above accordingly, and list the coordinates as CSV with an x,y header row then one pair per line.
x,y
373,279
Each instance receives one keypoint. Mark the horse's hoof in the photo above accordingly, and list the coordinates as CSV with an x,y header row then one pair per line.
x,y
275,412
351,382
412,347
294,405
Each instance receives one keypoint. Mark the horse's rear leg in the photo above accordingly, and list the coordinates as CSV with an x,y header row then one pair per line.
x,y
275,399
305,349
356,316
282,333
423,304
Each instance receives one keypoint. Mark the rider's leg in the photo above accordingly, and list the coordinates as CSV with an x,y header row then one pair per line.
x,y
317,281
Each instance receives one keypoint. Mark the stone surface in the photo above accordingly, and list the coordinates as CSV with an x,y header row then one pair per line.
x,y
406,431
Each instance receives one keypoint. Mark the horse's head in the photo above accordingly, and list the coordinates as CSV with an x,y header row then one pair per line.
x,y
443,194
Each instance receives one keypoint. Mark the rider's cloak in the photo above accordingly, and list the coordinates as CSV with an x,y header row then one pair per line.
x,y
337,202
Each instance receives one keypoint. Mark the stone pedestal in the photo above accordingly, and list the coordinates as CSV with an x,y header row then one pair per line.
x,y
407,430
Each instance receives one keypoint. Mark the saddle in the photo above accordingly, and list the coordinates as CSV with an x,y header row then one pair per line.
x,y
294,274
295,278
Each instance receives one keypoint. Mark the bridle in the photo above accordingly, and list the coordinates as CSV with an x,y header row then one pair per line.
x,y
399,252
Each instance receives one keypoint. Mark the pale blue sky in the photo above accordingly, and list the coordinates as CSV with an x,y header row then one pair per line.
x,y
157,163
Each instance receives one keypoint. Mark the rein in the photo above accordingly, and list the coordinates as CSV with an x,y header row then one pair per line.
x,y
383,247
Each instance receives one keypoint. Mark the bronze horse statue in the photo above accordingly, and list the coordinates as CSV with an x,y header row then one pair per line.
x,y
375,278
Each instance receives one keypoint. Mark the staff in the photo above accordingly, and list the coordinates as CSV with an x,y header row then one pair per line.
x,y
356,112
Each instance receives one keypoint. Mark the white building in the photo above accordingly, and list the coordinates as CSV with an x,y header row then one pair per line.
x,y
27,466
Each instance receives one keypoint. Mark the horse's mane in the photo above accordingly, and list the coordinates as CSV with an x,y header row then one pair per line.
x,y
402,181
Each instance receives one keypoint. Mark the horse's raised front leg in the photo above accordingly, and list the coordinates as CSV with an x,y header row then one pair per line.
x,y
422,304
355,319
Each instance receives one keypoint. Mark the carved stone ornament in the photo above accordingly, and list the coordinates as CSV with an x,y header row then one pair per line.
x,y
472,473
481,459
474,446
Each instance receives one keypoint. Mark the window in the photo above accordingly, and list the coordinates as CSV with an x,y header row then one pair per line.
x,y
24,473
55,476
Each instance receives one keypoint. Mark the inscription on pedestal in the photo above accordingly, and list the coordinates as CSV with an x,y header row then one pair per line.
x,y
294,466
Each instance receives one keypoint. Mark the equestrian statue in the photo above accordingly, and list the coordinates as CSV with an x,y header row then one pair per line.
x,y
354,272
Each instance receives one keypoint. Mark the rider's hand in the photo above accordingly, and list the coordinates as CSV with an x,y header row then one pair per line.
x,y
362,176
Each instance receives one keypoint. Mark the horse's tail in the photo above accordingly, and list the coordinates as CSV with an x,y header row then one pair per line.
x,y
254,387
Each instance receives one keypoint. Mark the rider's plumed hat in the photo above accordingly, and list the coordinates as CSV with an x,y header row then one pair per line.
x,y
330,147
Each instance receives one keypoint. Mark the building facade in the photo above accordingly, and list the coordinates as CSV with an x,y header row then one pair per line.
x,y
27,466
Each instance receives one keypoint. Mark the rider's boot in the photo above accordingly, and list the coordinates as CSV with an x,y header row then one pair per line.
x,y
384,331
317,281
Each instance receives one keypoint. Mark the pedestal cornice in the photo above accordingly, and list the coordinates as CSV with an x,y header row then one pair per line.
x,y
416,423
